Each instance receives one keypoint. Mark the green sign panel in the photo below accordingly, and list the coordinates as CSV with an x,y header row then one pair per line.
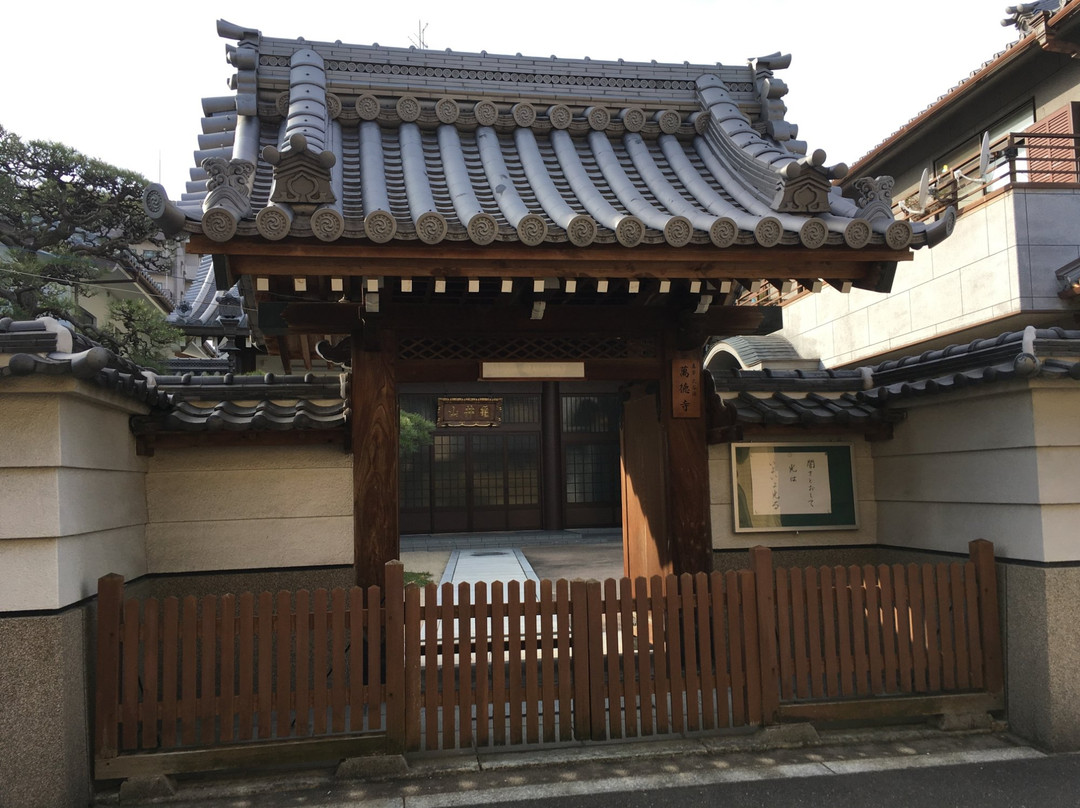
x,y
793,486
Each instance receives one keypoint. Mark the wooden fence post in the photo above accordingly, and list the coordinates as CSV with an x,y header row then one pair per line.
x,y
412,668
579,652
107,684
595,647
394,605
765,584
982,555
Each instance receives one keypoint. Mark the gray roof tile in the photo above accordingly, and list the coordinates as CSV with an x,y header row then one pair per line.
x,y
188,416
48,347
726,192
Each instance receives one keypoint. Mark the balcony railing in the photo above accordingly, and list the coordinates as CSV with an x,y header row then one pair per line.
x,y
1019,158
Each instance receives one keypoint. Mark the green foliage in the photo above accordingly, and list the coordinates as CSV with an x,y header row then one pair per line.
x,y
418,578
415,432
64,217
34,285
138,332
57,200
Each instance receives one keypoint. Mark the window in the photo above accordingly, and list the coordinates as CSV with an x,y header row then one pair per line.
x,y
595,413
592,473
1016,121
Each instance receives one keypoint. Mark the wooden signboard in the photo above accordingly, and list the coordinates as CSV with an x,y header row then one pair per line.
x,y
469,412
686,388
793,486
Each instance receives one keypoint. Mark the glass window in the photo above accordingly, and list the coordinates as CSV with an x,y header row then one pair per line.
x,y
592,473
448,471
521,409
1016,121
596,413
522,470
488,472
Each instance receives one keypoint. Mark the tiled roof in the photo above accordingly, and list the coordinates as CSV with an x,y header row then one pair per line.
x,y
189,416
1048,353
49,347
808,398
738,380
333,141
809,410
201,304
761,349
230,387
856,397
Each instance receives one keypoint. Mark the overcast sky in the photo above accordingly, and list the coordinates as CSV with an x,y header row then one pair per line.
x,y
122,81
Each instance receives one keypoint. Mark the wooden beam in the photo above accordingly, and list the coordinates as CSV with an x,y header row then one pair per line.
x,y
674,267
450,252
688,471
285,353
305,350
417,318
466,370
892,708
376,537
291,257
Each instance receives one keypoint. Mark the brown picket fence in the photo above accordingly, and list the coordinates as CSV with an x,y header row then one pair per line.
x,y
583,660
218,682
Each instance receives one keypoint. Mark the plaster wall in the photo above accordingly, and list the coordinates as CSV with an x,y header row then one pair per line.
x,y
722,511
74,501
996,464
261,507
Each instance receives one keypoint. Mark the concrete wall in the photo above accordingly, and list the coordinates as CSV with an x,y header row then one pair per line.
x,y
67,450
722,512
234,508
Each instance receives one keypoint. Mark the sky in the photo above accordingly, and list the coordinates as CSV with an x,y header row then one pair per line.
x,y
122,81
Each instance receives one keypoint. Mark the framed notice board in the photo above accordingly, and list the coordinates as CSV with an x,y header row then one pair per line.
x,y
793,486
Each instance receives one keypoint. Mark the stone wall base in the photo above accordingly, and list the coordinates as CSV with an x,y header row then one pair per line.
x,y
44,716
1040,612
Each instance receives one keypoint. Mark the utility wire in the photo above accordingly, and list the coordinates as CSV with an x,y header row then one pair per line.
x,y
73,284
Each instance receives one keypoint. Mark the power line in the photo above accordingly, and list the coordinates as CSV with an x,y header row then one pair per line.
x,y
75,284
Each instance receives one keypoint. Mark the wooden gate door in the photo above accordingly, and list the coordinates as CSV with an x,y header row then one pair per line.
x,y
646,550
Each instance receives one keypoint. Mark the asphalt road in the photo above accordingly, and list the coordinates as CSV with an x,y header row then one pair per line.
x,y
1048,782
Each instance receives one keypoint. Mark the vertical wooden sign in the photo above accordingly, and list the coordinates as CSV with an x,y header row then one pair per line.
x,y
686,388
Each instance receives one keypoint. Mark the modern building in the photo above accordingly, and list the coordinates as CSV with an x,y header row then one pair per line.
x,y
1001,148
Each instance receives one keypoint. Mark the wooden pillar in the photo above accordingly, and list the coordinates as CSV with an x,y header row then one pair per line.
x,y
551,448
376,534
684,407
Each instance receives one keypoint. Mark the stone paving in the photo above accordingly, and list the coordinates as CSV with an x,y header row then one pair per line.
x,y
503,777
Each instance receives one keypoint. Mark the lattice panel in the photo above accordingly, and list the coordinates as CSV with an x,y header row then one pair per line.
x,y
525,349
592,473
